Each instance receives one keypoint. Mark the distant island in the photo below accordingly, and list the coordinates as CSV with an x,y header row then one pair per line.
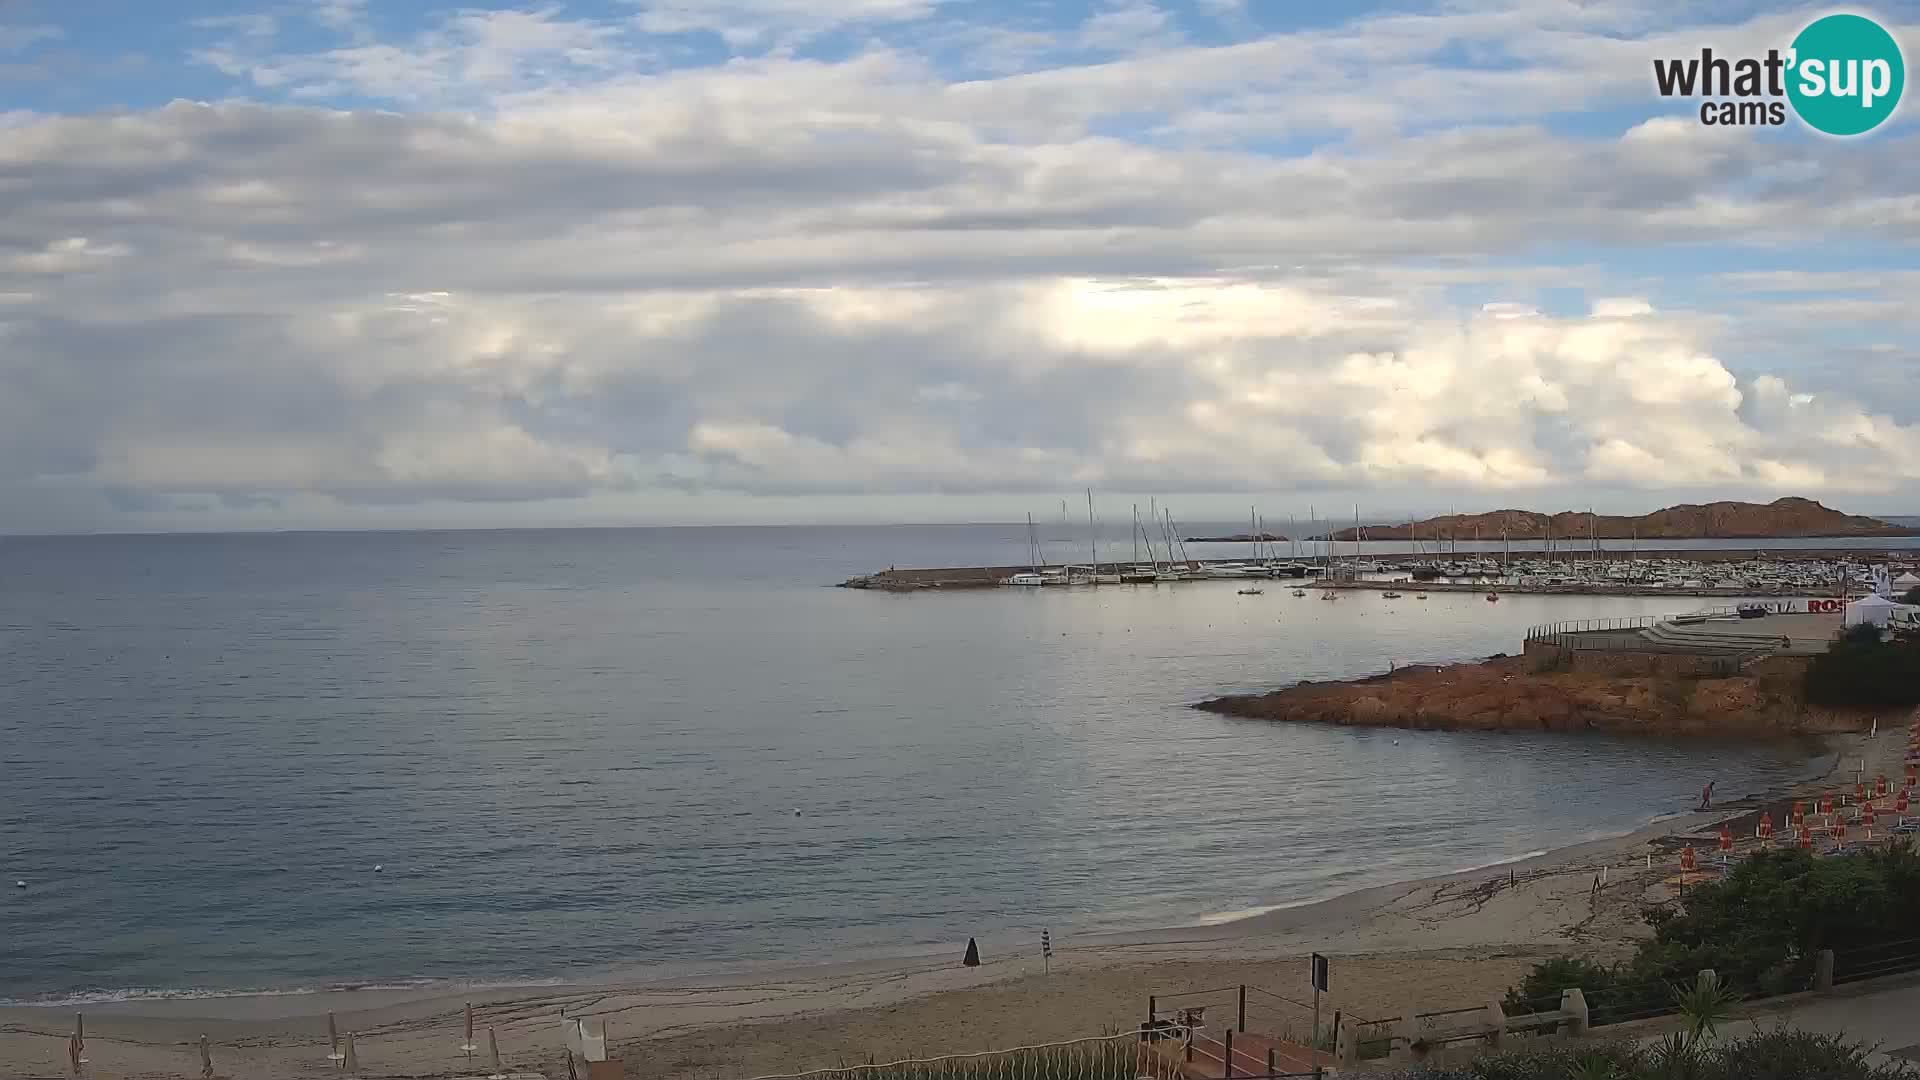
x,y
1788,517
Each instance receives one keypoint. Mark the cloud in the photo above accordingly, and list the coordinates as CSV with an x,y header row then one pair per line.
x,y
569,272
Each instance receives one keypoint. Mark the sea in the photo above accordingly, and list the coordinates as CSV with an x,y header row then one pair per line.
x,y
294,761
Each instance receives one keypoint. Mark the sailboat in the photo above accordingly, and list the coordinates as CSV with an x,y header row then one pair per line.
x,y
1034,577
1138,573
1093,545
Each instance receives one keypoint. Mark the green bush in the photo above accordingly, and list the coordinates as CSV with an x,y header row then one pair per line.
x,y
1860,670
1759,928
1772,1055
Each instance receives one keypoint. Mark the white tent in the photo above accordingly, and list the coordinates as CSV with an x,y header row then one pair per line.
x,y
1874,609
1906,581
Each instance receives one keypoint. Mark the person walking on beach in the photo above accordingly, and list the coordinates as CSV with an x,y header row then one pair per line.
x,y
1706,796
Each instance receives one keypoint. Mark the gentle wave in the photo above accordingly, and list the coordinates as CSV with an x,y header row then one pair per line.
x,y
110,997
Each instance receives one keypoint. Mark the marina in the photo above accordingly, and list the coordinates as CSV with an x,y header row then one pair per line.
x,y
1744,572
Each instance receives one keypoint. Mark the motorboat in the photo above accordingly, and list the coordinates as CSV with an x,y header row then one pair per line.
x,y
1250,592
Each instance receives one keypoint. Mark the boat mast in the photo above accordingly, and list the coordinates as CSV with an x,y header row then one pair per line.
x,y
1136,534
1033,546
1093,536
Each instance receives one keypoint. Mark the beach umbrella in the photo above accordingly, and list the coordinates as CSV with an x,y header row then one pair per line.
x,y
1913,775
350,1061
1806,838
493,1051
1840,830
1765,832
466,1044
1880,786
1826,802
1867,819
1799,812
77,1044
206,1059
333,1040
1859,790
1900,805
1687,863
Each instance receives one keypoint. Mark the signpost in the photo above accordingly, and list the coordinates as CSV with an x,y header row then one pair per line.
x,y
1046,953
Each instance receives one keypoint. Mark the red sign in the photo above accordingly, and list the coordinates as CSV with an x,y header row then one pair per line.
x,y
1826,605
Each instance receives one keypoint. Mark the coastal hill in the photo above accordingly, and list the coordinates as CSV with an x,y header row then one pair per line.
x,y
1689,521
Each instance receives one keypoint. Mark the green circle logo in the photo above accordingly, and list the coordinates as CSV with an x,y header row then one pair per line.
x,y
1847,74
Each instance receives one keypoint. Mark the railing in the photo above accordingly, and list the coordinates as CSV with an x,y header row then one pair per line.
x,y
1873,961
1127,1055
1566,634
1247,1009
1374,1038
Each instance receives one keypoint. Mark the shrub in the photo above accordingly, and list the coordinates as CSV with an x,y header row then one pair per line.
x,y
1797,1055
1758,929
1862,671
1771,1055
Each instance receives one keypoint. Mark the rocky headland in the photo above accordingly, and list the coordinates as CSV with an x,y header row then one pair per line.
x,y
1639,695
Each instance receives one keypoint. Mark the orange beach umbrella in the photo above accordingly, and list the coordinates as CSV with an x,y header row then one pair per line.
x,y
1726,838
1806,838
1687,863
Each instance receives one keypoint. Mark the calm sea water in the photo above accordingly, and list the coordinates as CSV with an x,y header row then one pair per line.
x,y
658,751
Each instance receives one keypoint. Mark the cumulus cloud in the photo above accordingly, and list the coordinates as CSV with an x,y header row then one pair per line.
x,y
565,272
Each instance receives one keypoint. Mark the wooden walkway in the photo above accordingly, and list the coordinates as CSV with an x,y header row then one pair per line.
x,y
1208,1059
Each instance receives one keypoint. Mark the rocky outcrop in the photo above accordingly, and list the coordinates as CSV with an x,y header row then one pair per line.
x,y
1720,520
1507,694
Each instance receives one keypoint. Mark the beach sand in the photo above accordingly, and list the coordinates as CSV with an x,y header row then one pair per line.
x,y
1442,942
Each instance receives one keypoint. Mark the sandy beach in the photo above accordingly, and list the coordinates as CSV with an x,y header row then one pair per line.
x,y
1434,943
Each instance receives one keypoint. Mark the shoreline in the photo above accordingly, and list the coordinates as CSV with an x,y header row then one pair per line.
x,y
1213,927
1431,941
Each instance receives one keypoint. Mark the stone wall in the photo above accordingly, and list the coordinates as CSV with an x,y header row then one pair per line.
x,y
1545,656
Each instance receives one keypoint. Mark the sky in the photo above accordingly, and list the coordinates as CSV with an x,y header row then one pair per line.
x,y
339,264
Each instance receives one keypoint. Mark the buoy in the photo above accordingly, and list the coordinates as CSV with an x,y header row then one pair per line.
x,y
19,884
377,868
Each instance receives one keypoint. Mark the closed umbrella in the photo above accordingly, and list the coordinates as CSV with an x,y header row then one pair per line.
x,y
350,1060
493,1051
467,1046
333,1041
206,1059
